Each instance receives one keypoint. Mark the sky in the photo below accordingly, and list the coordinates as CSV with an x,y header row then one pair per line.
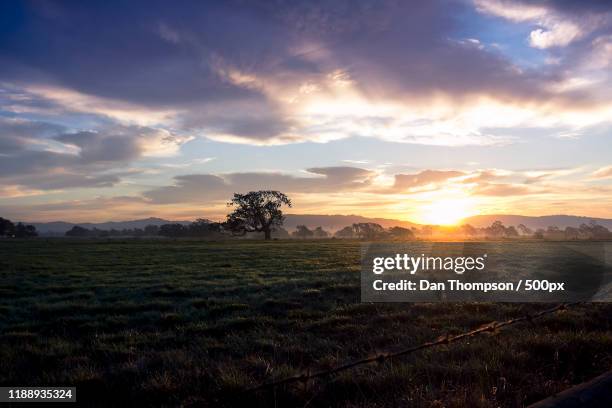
x,y
428,111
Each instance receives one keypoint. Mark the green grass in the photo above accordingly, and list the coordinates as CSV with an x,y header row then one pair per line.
x,y
165,322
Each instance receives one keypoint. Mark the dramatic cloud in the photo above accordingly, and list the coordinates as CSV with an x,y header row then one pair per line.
x,y
123,143
208,187
333,188
559,23
45,156
18,134
292,72
272,88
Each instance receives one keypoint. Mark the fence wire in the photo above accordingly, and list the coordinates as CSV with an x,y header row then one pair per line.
x,y
381,356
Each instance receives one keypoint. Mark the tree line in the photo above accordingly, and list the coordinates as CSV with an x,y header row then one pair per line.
x,y
199,228
497,230
20,230
203,228
259,214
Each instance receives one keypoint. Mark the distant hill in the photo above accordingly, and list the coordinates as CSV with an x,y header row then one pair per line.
x,y
336,222
60,227
560,221
328,222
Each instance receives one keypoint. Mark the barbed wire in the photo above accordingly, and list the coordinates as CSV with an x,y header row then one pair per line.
x,y
385,355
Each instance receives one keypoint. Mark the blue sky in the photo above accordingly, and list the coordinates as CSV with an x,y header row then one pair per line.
x,y
427,111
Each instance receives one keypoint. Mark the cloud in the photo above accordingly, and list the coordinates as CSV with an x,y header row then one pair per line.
x,y
190,188
289,73
603,172
124,143
486,175
501,190
81,106
84,210
209,187
98,147
214,188
405,182
556,35
343,176
18,134
317,190
556,29
14,191
538,176
46,156
66,180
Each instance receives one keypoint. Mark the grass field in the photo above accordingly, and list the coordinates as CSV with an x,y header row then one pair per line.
x,y
162,322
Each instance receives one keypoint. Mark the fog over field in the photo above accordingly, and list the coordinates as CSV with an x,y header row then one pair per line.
x,y
337,222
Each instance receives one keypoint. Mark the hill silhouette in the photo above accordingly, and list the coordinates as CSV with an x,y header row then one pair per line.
x,y
60,227
544,221
336,222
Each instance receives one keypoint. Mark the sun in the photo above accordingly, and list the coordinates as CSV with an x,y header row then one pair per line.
x,y
446,212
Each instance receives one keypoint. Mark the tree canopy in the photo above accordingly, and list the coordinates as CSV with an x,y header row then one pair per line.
x,y
256,211
8,229
368,230
302,231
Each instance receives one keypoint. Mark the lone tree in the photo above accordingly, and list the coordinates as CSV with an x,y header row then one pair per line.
x,y
256,211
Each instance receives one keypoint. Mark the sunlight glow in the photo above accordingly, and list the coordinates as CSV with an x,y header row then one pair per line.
x,y
446,212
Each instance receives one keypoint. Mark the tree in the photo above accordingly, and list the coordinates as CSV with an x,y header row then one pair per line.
x,y
400,233
7,228
319,232
98,233
592,230
203,228
599,231
426,231
173,230
524,230
280,233
511,232
468,230
572,233
368,230
302,231
497,230
346,232
256,211
25,231
77,231
151,230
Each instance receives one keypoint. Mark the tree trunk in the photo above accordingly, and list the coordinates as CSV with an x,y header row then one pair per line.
x,y
268,234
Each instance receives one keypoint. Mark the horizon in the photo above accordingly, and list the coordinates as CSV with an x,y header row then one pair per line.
x,y
460,222
429,112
